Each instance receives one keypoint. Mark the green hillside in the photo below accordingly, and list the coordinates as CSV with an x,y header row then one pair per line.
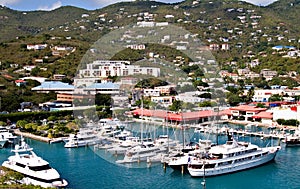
x,y
245,27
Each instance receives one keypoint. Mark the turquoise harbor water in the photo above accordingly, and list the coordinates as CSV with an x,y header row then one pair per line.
x,y
85,169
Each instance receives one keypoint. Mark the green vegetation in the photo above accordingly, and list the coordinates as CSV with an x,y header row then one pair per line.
x,y
292,122
176,106
150,83
210,21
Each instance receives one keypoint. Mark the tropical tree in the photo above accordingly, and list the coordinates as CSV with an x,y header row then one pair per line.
x,y
31,127
275,97
233,99
151,83
176,105
21,123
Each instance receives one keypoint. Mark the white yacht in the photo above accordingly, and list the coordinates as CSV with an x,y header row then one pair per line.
x,y
180,161
230,157
85,137
166,141
6,137
36,170
123,146
109,131
141,152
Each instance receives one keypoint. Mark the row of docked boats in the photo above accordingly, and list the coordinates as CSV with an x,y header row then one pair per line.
x,y
199,159
94,134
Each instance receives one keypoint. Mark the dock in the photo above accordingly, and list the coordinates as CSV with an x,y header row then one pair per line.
x,y
32,136
260,134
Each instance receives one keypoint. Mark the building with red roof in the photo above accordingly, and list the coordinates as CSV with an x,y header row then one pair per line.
x,y
264,117
245,112
177,117
20,82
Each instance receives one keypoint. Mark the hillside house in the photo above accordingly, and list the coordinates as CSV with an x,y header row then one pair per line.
x,y
20,82
36,47
268,74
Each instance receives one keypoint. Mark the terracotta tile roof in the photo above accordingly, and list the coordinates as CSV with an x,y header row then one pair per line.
x,y
186,116
226,112
268,115
248,108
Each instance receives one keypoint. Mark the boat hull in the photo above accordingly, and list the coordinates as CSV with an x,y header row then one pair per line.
x,y
38,178
292,143
81,143
182,167
56,184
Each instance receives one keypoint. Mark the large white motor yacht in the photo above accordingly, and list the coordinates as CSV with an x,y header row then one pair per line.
x,y
85,137
141,152
230,157
36,170
6,137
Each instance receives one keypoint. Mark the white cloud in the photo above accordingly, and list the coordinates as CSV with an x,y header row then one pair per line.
x,y
260,2
51,7
9,2
102,3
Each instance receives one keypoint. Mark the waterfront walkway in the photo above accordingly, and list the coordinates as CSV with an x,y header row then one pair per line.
x,y
32,136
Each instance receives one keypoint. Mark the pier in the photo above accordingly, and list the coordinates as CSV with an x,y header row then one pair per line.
x,y
32,136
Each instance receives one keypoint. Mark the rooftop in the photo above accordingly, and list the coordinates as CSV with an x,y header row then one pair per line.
x,y
248,108
53,85
182,116
108,85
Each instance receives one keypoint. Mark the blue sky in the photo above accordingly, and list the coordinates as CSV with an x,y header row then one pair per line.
x,y
28,5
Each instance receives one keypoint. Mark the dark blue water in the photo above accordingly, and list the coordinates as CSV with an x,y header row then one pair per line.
x,y
85,169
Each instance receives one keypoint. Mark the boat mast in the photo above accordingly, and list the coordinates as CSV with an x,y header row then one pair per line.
x,y
142,125
217,129
204,181
167,130
182,127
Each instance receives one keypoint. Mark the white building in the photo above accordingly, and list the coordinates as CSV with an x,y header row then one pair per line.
x,y
137,47
189,99
105,68
286,113
151,92
263,95
165,89
36,47
163,100
268,74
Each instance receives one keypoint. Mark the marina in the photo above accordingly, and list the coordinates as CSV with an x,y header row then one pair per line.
x,y
98,167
